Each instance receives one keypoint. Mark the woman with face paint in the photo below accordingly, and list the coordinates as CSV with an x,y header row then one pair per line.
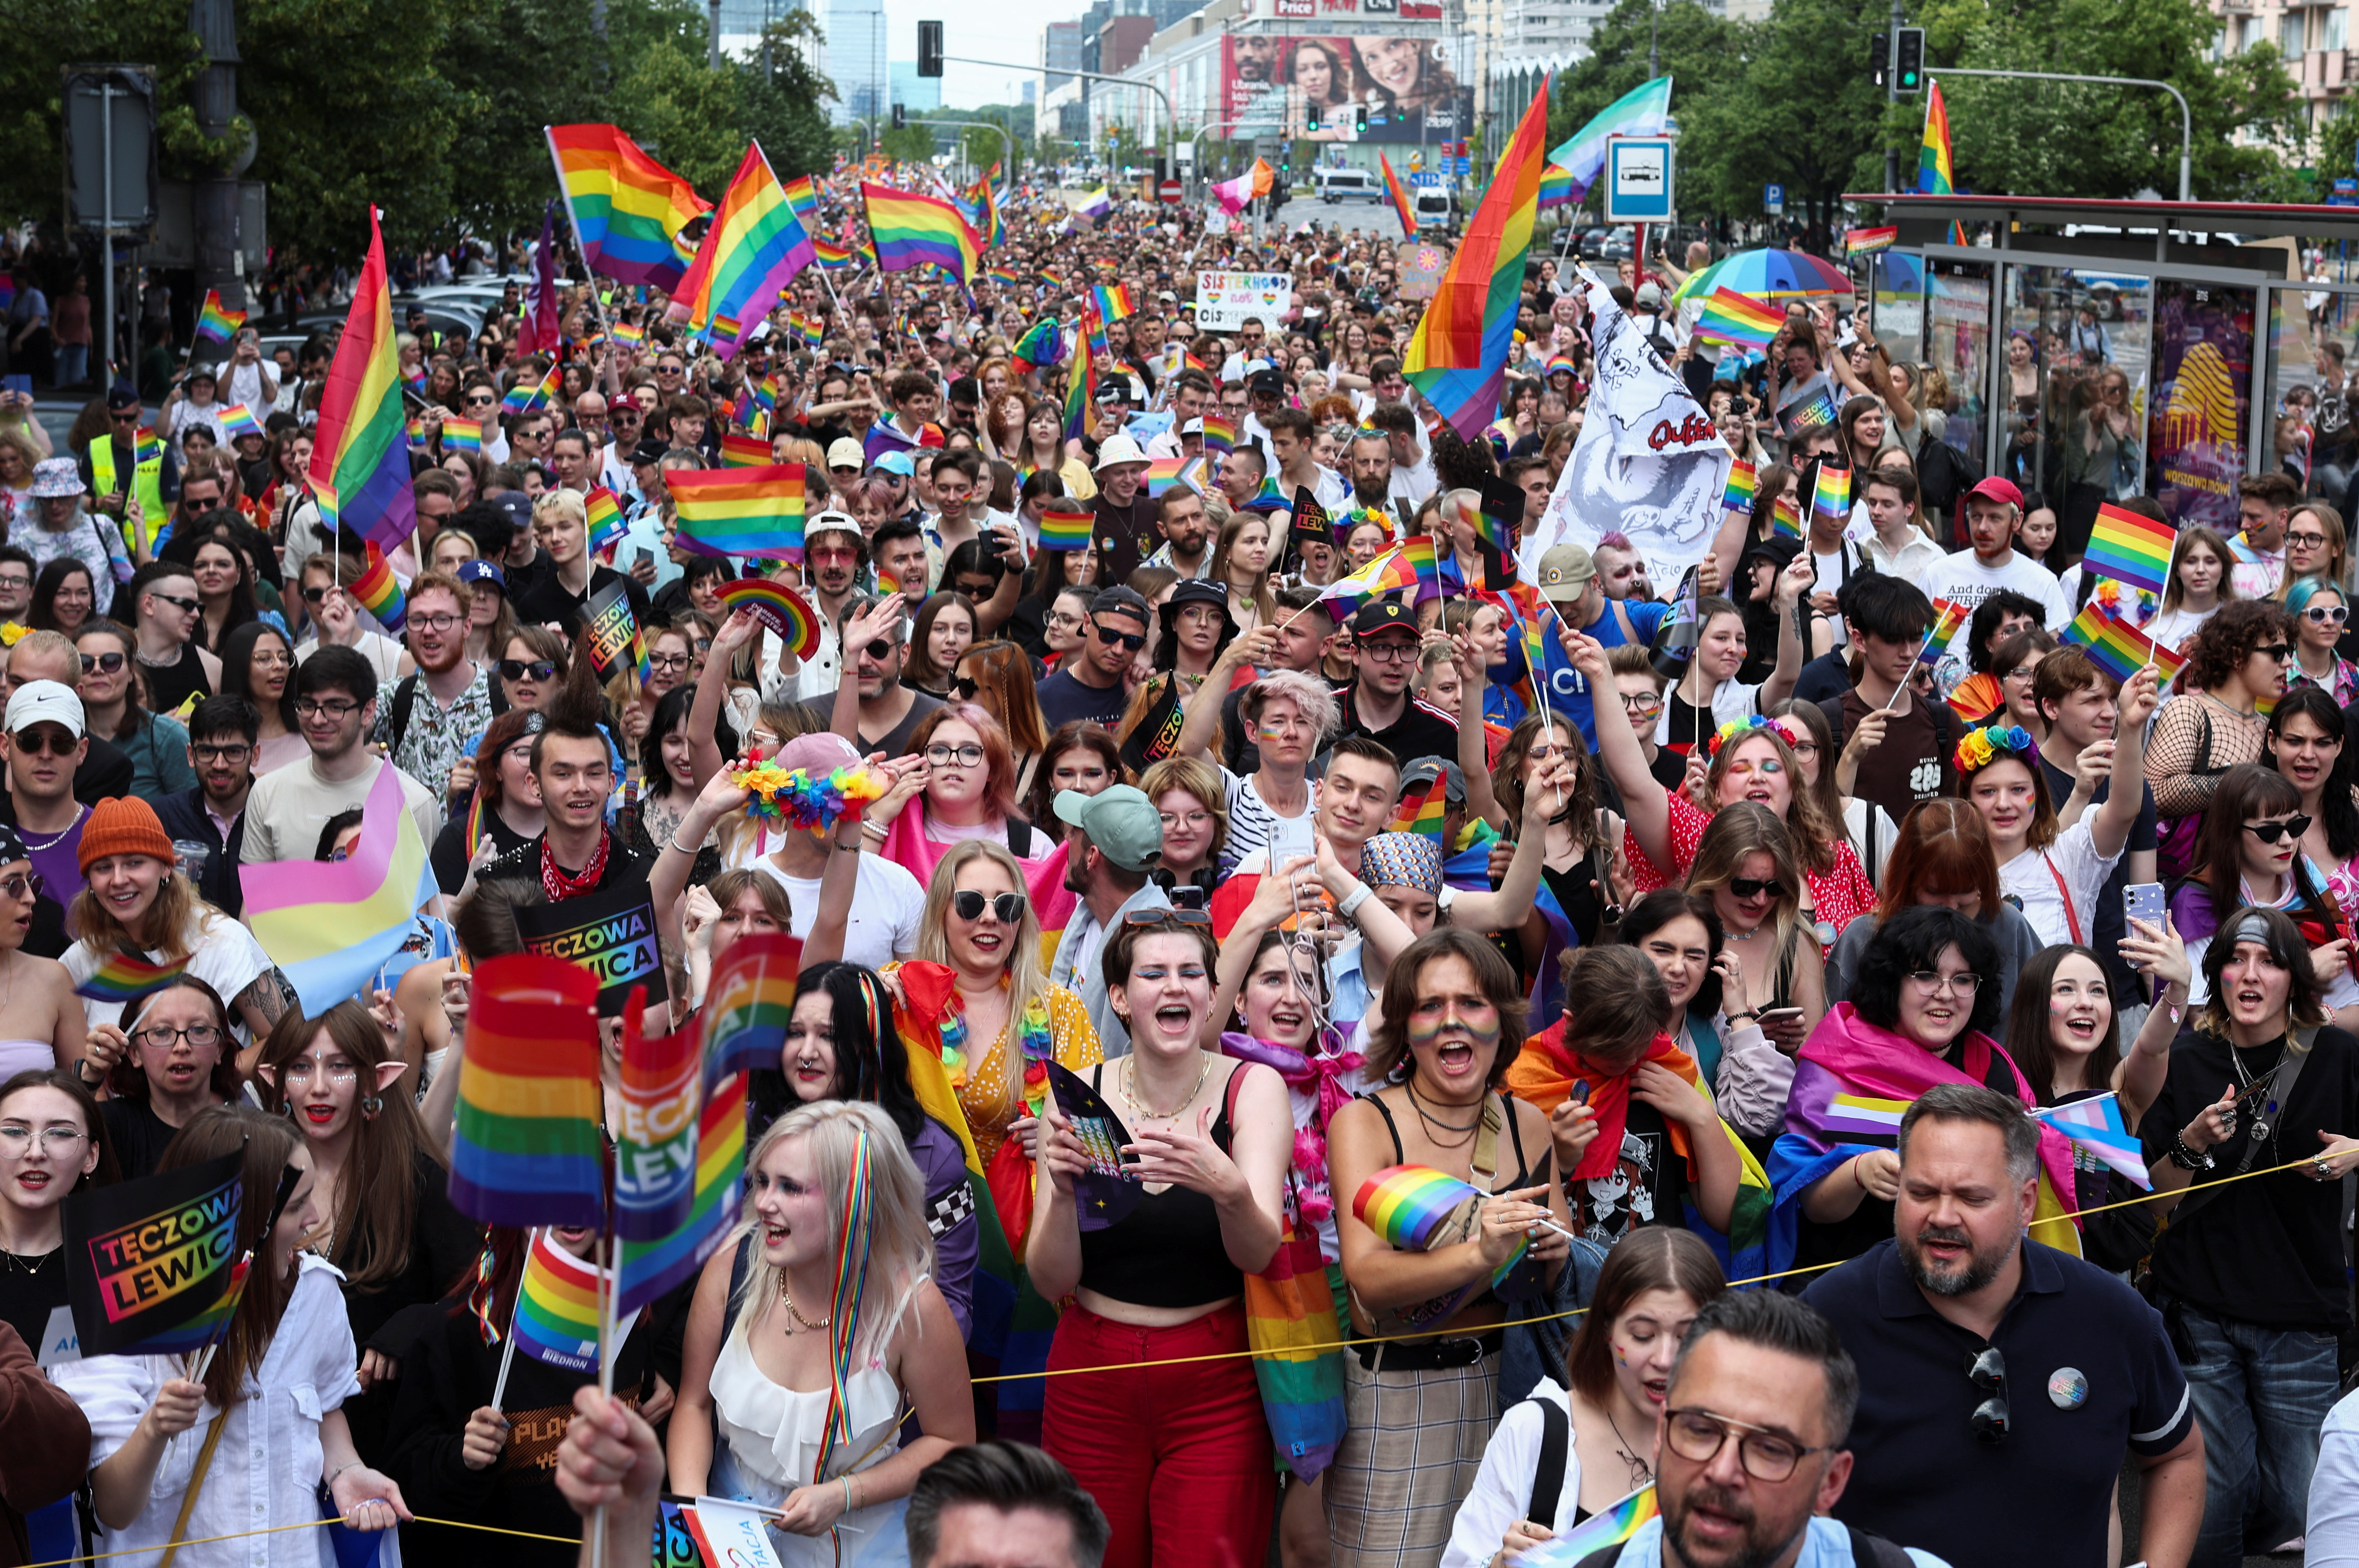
x,y
278,1385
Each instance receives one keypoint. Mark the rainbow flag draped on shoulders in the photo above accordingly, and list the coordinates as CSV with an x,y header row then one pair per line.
x,y
753,249
627,210
360,449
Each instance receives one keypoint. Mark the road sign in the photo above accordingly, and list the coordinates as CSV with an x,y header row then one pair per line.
x,y
1638,179
1170,191
2344,194
1430,178
1773,201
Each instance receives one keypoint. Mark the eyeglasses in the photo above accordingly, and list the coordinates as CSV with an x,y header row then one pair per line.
x,y
2327,615
18,889
436,623
296,1074
270,660
14,1141
967,756
231,755
1698,1437
1641,702
2269,833
14,581
1131,640
1389,652
969,904
1157,916
1987,1370
2308,541
670,660
190,606
1753,888
160,1037
519,669
314,707
33,742
1963,985
2281,651
105,663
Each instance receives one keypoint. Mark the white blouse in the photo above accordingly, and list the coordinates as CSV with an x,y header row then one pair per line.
x,y
221,952
1503,1487
266,1470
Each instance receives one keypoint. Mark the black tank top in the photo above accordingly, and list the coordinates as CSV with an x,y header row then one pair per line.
x,y
1167,1252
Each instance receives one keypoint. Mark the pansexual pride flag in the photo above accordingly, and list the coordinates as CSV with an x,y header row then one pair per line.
x,y
919,231
1458,355
626,208
360,448
216,323
2134,551
330,925
752,250
556,1318
525,1147
1396,193
740,511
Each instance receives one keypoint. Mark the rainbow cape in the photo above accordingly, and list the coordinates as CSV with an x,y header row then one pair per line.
x,y
360,448
740,511
329,926
751,251
627,210
919,231
525,1147
556,1318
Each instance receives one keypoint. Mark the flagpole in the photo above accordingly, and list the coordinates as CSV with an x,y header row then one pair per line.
x,y
605,1299
507,1352
1902,684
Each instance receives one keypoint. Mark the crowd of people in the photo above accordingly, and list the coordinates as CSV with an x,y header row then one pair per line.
x,y
1741,980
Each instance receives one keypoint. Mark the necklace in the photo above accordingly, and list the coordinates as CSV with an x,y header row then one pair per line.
x,y
1435,1126
1130,1088
60,837
1640,1471
31,1268
2230,708
2252,1085
805,1323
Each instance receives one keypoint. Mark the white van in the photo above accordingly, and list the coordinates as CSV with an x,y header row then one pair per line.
x,y
1436,208
1335,185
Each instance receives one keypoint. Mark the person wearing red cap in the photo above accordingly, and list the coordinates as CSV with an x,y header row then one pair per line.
x,y
1973,575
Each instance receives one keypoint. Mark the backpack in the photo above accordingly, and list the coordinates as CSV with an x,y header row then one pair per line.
x,y
1944,474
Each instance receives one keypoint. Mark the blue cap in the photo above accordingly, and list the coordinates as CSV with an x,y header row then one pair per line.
x,y
483,571
896,462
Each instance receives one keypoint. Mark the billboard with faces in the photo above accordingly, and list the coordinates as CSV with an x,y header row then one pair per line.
x,y
1278,86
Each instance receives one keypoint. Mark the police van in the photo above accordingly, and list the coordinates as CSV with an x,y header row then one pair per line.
x,y
1335,185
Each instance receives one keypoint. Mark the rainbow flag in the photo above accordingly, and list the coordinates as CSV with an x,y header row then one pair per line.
x,y
237,419
1163,473
378,591
1557,189
149,1260
653,1266
526,1148
1948,620
1113,301
1220,433
523,399
629,332
802,195
216,323
627,209
748,1002
1935,175
1458,357
1830,493
1006,276
1422,558
1976,698
752,250
1786,516
740,511
2119,649
556,1318
1644,110
1731,318
1404,1204
2134,551
208,1325
126,977
359,448
605,519
1424,815
1389,574
812,330
1041,344
1602,1531
1063,531
833,257
1081,393
1742,483
462,435
1867,242
919,231
745,451
1396,193
330,926
778,607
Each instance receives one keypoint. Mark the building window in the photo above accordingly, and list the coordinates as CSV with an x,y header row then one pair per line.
x,y
2290,29
2337,22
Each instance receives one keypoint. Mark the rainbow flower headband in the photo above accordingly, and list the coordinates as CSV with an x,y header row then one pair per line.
x,y
1986,745
802,799
1738,729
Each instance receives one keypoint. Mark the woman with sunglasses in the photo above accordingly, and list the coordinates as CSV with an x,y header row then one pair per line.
x,y
1746,867
2236,661
2308,742
114,708
258,664
502,798
43,1026
997,677
532,667
2320,609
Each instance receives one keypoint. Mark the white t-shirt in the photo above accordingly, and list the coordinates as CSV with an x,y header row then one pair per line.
x,y
1963,579
886,905
2031,879
2171,628
383,653
1254,826
221,952
287,810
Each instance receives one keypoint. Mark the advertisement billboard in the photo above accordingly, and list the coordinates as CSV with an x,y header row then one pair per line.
x,y
1277,86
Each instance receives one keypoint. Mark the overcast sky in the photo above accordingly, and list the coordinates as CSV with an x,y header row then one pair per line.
x,y
1004,30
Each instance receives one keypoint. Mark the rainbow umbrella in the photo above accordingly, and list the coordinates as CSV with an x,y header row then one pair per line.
x,y
1767,274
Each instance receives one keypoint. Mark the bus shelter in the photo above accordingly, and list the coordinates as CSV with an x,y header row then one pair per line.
x,y
2210,324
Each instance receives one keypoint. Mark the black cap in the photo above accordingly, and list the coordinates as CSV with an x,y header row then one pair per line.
x,y
1384,614
121,397
1266,381
649,450
1778,549
1119,600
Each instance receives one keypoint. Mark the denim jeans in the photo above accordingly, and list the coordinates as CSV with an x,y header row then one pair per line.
x,y
2262,1395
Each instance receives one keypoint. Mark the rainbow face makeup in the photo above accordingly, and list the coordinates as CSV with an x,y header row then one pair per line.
x,y
1482,1030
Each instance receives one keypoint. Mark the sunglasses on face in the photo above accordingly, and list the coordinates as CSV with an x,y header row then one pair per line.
x,y
1750,887
2269,833
969,905
1134,641
106,663
2280,652
966,688
47,737
519,668
2327,615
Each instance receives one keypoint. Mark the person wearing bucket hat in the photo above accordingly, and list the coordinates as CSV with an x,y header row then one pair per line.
x,y
1127,529
64,525
1196,625
1114,841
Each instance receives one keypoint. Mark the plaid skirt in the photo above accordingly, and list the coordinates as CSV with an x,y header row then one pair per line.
x,y
1409,1457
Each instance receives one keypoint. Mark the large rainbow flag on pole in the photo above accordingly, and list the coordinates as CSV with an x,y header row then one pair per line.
x,y
1403,208
1644,110
330,926
1458,357
919,231
361,451
625,207
753,250
1935,176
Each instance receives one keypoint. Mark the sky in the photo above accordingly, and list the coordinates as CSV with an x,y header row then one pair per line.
x,y
1011,32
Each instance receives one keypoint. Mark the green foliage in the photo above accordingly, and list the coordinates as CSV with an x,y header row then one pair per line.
x,y
2338,146
46,35
912,142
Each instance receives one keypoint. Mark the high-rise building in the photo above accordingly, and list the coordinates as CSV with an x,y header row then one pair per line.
x,y
856,59
1061,50
743,21
917,94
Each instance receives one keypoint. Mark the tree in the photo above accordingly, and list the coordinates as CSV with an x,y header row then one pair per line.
x,y
46,34
786,97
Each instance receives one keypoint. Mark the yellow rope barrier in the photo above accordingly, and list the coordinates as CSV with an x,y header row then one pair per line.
x,y
307,1524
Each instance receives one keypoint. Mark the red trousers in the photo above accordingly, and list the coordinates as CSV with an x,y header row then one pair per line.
x,y
1179,1457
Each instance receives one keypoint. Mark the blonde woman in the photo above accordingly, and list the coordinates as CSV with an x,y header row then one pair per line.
x,y
764,1352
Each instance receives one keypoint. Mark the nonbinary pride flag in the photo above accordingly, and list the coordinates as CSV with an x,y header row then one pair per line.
x,y
144,1259
330,925
526,1148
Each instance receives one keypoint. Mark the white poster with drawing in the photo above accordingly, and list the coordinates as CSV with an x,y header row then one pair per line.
x,y
1227,300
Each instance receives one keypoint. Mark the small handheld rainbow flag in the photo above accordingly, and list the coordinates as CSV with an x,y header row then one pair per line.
x,y
1042,344
1062,530
216,323
778,606
525,1147
126,977
1732,318
1555,186
835,257
1948,619
1606,1527
1742,483
1419,555
146,447
461,435
2134,551
1867,242
1112,302
1786,516
2119,649
1425,814
1830,493
237,419
1220,433
379,592
745,451
556,1318
1405,1204
628,332
740,511
605,516
525,399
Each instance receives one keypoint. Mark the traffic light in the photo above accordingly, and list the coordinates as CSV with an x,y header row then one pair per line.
x,y
929,48
1360,122
1311,117
1879,58
900,116
1909,60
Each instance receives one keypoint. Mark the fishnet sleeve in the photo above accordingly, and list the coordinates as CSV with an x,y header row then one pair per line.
x,y
2178,748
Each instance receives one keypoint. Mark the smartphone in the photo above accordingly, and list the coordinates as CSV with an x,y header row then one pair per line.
x,y
20,385
647,557
1779,1014
2143,901
1187,897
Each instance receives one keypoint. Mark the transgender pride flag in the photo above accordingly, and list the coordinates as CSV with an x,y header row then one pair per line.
x,y
1644,110
2095,1123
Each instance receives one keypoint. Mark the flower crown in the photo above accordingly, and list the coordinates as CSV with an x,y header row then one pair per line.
x,y
802,799
1986,745
1738,729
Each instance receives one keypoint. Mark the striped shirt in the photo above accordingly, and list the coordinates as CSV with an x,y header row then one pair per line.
x,y
1252,823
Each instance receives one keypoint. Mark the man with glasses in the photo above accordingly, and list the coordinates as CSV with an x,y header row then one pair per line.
x,y
336,616
43,744
17,571
224,733
1089,682
1113,842
336,706
171,665
529,439
1379,703
435,711
2001,1381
